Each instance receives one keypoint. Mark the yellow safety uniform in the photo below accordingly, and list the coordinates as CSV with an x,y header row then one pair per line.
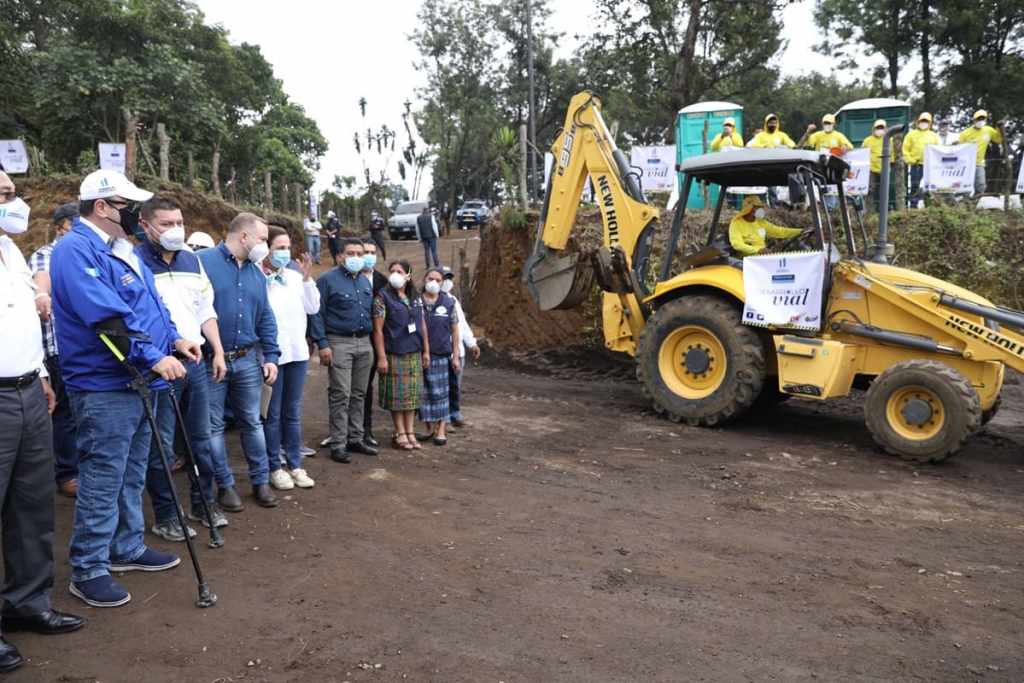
x,y
825,142
914,144
748,237
770,140
874,143
981,137
721,140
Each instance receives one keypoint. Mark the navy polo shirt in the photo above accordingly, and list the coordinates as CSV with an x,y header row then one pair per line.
x,y
346,304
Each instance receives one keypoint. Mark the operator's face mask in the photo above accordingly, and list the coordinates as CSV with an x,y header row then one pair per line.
x,y
14,216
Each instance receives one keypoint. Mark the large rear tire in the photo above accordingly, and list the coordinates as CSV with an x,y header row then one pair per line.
x,y
698,363
922,410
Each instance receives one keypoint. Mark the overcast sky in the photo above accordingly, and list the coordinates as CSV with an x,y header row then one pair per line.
x,y
329,54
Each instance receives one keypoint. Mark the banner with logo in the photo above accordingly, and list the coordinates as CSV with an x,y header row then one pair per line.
x,y
860,171
112,156
1020,180
657,167
784,290
13,157
949,168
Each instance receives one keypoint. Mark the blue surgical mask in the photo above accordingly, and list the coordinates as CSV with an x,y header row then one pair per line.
x,y
369,261
280,258
353,264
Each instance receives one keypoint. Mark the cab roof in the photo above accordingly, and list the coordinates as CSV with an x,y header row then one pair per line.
x,y
747,166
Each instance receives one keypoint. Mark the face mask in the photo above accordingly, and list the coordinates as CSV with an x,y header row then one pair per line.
x,y
432,286
772,126
980,123
259,252
353,264
879,132
129,220
759,214
922,126
173,239
447,286
280,258
396,280
828,127
14,216
369,261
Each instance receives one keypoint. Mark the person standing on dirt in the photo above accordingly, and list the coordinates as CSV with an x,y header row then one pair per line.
x,y
332,228
378,281
467,341
311,226
341,331
426,229
403,351
443,336
101,285
377,228
65,450
914,145
188,295
26,446
247,327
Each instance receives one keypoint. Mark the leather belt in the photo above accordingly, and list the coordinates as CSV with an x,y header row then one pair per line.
x,y
19,382
353,335
237,353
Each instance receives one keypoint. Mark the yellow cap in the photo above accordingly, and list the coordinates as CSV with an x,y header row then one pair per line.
x,y
828,118
925,116
751,202
980,114
880,123
729,122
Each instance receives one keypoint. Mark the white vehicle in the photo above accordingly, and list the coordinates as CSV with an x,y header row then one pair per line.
x,y
402,225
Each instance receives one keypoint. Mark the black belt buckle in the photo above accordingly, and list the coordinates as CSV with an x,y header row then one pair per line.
x,y
19,382
237,353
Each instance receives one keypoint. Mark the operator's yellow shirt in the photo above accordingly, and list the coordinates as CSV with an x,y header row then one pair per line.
x,y
874,143
981,137
825,142
748,237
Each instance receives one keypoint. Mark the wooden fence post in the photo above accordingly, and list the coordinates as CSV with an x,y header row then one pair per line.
x,y
268,190
215,169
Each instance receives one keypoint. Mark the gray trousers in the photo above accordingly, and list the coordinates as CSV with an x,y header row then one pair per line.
x,y
26,498
349,376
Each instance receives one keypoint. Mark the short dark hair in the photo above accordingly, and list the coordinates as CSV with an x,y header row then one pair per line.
x,y
86,207
274,231
367,242
349,241
243,221
157,202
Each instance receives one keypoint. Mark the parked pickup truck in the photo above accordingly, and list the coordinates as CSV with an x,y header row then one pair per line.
x,y
402,225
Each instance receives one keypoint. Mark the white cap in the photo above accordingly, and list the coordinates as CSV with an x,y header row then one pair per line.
x,y
330,214
200,239
106,183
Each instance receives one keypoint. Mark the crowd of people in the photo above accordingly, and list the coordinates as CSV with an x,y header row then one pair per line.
x,y
124,315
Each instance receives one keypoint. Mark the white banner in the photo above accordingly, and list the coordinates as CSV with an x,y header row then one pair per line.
x,y
1020,180
13,157
112,156
949,168
657,167
314,210
860,171
784,290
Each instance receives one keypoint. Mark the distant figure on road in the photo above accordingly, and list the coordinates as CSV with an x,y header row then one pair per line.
x,y
311,226
377,227
426,230
332,228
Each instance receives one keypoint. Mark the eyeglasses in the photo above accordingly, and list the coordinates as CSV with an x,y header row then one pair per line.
x,y
7,195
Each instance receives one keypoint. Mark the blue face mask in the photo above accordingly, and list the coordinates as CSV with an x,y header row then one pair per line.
x,y
369,261
280,258
353,264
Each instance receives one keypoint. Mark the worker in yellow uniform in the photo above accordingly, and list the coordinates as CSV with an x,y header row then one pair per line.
x,y
772,135
981,134
828,139
913,152
874,143
728,137
748,229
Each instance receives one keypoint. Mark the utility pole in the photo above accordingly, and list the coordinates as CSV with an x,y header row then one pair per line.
x,y
533,107
524,146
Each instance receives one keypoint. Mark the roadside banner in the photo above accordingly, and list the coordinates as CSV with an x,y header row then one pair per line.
x,y
784,290
112,156
860,171
657,167
13,157
949,168
1020,180
314,210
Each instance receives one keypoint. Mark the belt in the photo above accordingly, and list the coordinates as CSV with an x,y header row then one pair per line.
x,y
352,335
19,382
237,353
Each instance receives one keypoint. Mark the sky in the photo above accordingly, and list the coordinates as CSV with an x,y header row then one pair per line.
x,y
329,54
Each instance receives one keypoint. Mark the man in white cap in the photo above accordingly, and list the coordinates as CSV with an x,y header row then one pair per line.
x,y
101,285
26,447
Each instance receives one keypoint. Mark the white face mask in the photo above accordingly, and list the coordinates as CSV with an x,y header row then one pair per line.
x,y
396,280
759,214
828,127
980,123
14,216
447,286
259,252
173,239
923,125
879,132
432,286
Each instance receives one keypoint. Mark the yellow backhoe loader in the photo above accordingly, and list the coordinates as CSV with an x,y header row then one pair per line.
x,y
930,354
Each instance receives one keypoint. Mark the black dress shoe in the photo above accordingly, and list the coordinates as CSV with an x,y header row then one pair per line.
x,y
370,441
50,622
10,658
358,447
264,496
229,500
339,455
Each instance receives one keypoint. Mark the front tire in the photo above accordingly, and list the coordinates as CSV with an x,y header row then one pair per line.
x,y
698,363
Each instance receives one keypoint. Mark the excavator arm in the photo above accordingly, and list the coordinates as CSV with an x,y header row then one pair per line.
x,y
559,276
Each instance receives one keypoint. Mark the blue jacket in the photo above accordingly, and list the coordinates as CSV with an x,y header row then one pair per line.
x,y
92,285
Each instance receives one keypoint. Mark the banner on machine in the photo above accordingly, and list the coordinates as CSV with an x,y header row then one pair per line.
x,y
949,168
112,156
657,167
784,290
13,157
860,171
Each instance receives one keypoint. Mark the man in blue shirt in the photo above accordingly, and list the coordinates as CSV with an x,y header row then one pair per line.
x,y
341,331
100,284
247,326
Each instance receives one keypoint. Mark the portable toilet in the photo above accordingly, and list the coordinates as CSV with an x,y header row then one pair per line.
x,y
854,121
691,123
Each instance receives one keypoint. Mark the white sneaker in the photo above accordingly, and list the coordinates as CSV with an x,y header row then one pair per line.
x,y
302,480
280,480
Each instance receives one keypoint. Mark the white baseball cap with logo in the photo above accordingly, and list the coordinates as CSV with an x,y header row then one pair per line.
x,y
103,184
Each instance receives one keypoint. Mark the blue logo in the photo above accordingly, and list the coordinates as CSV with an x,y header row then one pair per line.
x,y
784,278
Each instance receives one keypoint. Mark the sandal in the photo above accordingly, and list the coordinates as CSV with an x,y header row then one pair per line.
x,y
414,443
400,442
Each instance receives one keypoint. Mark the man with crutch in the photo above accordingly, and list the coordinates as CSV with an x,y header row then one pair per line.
x,y
99,284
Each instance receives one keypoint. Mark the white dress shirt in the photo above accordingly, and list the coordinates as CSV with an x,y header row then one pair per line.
x,y
20,334
292,300
466,338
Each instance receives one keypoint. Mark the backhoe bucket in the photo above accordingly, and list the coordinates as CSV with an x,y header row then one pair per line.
x,y
558,282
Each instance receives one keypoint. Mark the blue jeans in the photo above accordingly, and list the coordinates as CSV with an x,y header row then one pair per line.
x,y
313,247
284,415
455,391
241,387
113,442
193,394
430,249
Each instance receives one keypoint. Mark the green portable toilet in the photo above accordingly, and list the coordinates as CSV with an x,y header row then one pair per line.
x,y
690,126
854,121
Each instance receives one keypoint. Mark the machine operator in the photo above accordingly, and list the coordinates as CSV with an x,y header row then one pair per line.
x,y
749,229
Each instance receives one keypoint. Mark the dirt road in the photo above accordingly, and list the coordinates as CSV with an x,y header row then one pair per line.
x,y
571,535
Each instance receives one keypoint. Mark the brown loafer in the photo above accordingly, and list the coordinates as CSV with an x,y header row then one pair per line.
x,y
68,488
